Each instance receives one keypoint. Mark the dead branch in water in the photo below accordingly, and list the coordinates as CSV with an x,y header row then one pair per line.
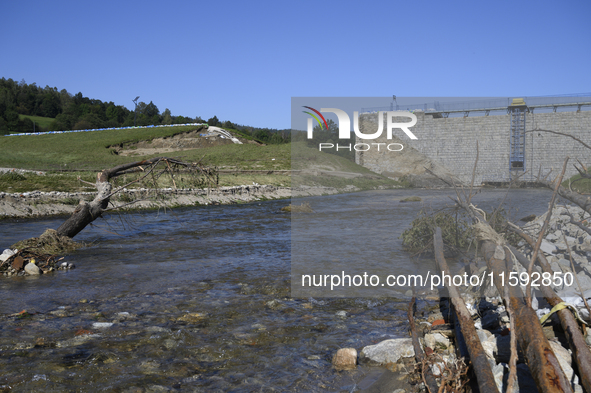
x,y
87,212
481,367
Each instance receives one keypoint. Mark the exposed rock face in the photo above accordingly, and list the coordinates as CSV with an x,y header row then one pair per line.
x,y
434,340
201,138
578,241
38,203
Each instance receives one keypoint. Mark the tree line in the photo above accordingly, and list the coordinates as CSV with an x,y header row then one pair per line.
x,y
77,112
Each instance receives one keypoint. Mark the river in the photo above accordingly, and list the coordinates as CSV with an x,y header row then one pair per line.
x,y
198,299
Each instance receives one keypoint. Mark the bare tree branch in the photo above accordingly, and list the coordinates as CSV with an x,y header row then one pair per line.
x,y
473,174
542,232
87,212
561,133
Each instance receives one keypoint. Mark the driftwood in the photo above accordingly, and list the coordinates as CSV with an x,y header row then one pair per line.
x,y
578,223
584,202
481,367
541,360
536,250
575,338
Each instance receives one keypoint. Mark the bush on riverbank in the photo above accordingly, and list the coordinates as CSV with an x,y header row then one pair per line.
x,y
456,230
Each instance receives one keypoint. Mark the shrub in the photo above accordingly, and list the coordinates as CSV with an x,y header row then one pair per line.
x,y
455,229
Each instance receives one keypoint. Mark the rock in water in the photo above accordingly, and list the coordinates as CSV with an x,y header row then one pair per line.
x,y
345,359
102,325
32,269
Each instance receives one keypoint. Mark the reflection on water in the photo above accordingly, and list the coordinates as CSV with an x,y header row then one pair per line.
x,y
199,300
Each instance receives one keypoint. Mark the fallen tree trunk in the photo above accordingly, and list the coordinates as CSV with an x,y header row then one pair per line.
x,y
540,358
542,361
584,202
481,367
576,341
87,212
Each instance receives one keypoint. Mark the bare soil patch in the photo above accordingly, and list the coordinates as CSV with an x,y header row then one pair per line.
x,y
197,139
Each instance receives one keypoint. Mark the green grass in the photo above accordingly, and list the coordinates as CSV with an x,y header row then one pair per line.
x,y
67,182
304,157
247,179
581,186
412,199
67,156
79,150
245,156
39,120
241,134
90,151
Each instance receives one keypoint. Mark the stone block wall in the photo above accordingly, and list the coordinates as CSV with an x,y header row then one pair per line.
x,y
451,142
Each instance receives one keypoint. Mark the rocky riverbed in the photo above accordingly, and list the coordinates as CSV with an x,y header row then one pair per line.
x,y
238,330
490,316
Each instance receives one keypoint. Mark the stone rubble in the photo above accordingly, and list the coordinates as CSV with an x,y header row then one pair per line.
x,y
578,241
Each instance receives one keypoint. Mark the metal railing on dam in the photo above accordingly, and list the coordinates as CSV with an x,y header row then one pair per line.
x,y
556,103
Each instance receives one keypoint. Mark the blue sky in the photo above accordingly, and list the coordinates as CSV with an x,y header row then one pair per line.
x,y
243,61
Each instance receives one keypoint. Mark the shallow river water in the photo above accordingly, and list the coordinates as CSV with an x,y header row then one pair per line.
x,y
198,299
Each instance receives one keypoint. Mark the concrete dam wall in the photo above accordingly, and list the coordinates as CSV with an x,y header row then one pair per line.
x,y
450,144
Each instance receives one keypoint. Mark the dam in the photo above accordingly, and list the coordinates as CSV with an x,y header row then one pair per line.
x,y
517,138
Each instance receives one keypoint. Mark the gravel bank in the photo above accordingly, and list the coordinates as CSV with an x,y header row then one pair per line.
x,y
40,204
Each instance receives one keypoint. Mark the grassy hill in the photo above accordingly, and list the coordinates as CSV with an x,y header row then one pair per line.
x,y
79,150
69,155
